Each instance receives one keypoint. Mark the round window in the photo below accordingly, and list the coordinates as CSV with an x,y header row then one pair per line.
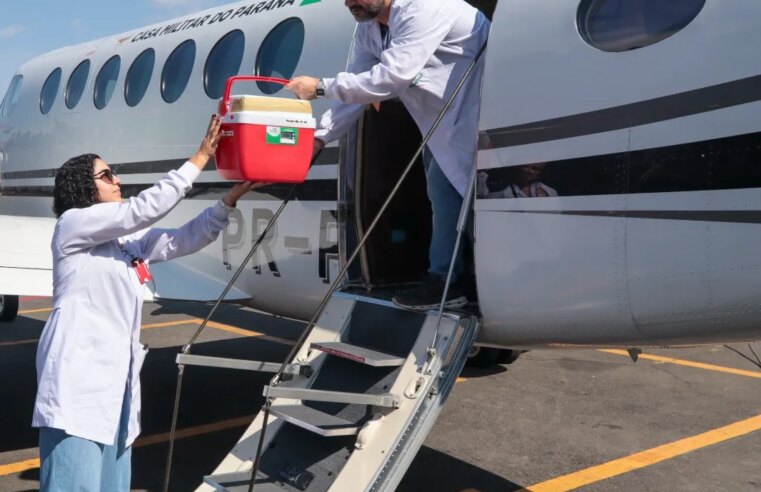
x,y
50,90
76,85
177,69
105,83
280,53
12,96
139,77
223,62
622,25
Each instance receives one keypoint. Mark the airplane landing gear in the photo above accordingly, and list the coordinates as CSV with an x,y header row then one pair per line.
x,y
487,356
8,307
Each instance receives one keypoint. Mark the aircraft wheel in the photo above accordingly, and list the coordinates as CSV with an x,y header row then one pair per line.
x,y
508,356
482,356
8,307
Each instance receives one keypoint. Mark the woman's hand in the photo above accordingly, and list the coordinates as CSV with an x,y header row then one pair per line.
x,y
318,146
209,144
240,189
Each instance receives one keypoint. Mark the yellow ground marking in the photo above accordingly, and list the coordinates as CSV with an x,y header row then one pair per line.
x,y
32,464
461,380
687,363
19,467
17,342
247,333
167,324
194,431
222,327
647,458
35,311
191,321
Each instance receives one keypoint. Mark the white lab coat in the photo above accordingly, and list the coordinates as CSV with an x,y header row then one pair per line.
x,y
432,43
91,341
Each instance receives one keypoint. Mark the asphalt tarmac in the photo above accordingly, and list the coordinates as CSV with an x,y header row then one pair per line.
x,y
677,420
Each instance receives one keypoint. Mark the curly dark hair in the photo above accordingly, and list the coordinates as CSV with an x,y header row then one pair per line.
x,y
75,185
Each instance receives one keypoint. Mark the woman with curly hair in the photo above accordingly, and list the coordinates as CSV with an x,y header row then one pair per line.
x,y
89,356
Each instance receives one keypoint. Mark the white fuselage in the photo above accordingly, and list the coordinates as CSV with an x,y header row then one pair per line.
x,y
644,228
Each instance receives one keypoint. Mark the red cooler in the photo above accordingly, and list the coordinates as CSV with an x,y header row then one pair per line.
x,y
267,139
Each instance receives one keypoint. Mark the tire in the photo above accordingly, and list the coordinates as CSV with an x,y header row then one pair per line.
x,y
482,356
508,356
8,307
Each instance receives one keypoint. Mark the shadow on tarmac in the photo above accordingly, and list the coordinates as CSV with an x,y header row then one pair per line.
x,y
209,396
434,470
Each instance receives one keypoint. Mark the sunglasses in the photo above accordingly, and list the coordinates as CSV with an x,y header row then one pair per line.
x,y
106,174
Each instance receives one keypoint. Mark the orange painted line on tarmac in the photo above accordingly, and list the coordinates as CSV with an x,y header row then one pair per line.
x,y
200,430
191,321
35,311
19,467
687,363
222,327
18,342
461,380
167,324
194,431
647,458
247,333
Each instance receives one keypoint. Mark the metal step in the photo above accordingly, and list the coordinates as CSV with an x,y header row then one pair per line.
x,y
245,365
315,421
288,479
382,400
229,481
359,354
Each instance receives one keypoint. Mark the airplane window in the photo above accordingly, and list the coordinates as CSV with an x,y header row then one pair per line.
x,y
105,83
12,96
139,76
223,62
280,53
50,90
622,25
76,86
177,69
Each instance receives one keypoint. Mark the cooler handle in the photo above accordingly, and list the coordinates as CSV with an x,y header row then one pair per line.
x,y
225,106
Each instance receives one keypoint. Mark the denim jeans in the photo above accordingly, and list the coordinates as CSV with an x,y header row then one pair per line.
x,y
446,203
73,463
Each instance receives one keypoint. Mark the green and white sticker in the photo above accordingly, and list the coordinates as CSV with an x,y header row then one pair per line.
x,y
278,135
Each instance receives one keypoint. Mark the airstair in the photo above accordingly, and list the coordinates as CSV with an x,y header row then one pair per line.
x,y
362,389
356,402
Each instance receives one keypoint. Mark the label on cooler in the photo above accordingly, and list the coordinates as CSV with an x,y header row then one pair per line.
x,y
278,135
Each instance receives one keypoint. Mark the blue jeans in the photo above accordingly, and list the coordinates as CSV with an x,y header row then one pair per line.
x,y
72,463
446,203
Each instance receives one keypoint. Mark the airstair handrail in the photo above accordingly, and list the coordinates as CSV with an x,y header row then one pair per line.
x,y
339,278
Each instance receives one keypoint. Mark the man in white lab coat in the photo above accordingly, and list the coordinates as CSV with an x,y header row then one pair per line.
x,y
418,51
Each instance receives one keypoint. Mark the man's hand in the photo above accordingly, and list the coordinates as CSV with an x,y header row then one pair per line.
x,y
304,87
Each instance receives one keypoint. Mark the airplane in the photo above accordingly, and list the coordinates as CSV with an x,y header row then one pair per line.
x,y
616,204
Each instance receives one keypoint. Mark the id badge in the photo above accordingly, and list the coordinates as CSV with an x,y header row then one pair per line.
x,y
141,269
